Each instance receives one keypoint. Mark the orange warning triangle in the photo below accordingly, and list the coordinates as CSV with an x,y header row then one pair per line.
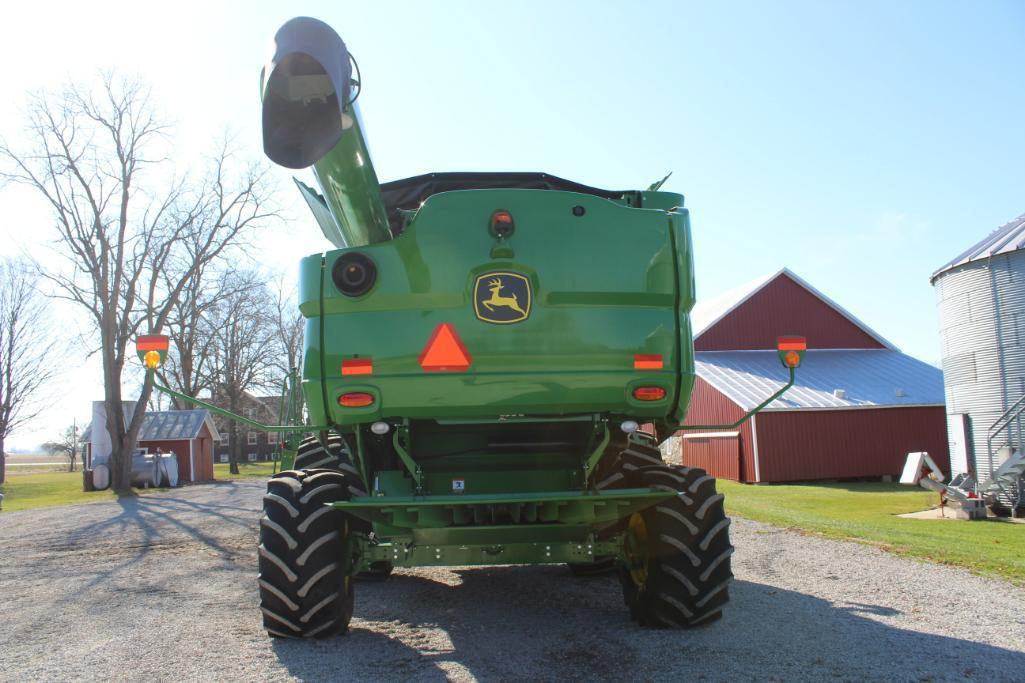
x,y
445,352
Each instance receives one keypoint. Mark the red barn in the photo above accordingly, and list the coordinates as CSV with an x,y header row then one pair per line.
x,y
858,407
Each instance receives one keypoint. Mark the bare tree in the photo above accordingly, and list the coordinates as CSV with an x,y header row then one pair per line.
x,y
26,350
66,445
132,250
243,350
290,329
186,369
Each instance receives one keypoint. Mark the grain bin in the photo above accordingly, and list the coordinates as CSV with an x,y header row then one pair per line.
x,y
981,299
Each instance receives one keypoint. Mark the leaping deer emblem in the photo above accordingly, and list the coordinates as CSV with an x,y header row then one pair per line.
x,y
497,299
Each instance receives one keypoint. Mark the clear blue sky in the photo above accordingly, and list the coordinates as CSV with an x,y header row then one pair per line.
x,y
861,144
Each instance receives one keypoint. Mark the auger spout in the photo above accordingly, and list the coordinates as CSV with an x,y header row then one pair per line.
x,y
310,118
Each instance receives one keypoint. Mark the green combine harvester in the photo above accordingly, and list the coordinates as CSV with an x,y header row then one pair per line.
x,y
480,351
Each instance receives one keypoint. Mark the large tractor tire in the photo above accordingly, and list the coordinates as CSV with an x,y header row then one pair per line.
x,y
305,589
616,470
334,454
677,570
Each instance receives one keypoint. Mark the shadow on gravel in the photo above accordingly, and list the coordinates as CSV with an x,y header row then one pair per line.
x,y
504,623
145,523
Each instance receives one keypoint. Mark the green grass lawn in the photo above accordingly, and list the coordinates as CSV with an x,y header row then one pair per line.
x,y
867,512
24,491
247,470
47,489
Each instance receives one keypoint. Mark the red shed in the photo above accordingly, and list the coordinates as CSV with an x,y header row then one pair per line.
x,y
189,434
858,407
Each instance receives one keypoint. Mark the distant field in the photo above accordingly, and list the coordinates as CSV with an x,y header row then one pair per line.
x,y
867,512
31,463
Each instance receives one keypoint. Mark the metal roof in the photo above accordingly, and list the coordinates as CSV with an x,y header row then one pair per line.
x,y
866,378
1005,239
169,425
707,313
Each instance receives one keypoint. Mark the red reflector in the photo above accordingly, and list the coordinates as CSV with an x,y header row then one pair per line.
x,y
649,393
445,352
648,361
358,366
357,399
152,342
792,344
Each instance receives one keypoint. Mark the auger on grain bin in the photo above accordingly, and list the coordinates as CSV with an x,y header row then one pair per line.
x,y
480,349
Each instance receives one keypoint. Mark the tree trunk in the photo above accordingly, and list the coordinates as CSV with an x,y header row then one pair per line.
x,y
233,450
3,462
234,405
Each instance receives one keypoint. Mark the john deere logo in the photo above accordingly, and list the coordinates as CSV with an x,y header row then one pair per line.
x,y
502,298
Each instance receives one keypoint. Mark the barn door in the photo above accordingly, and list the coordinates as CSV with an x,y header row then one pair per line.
x,y
718,453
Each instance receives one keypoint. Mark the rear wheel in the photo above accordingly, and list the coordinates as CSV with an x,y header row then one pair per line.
x,y
305,588
677,568
334,454
331,453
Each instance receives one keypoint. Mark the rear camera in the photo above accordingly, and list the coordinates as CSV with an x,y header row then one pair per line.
x,y
354,274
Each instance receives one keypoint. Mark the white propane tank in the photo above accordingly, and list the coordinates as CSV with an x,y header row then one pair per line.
x,y
101,477
169,470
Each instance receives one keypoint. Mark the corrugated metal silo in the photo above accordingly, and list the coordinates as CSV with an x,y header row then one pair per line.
x,y
981,298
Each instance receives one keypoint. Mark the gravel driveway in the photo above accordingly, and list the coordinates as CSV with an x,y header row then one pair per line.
x,y
162,587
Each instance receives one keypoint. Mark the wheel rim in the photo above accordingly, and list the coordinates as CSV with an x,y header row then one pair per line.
x,y
635,547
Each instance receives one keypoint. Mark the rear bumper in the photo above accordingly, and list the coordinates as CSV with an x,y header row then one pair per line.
x,y
458,518
491,395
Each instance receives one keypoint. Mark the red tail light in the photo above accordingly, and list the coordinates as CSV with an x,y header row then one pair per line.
x,y
649,393
356,399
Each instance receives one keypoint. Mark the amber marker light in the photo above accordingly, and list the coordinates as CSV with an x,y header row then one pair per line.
x,y
356,399
502,223
791,350
358,366
152,348
648,361
649,393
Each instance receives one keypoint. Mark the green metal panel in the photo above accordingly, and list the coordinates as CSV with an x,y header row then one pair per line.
x,y
323,214
605,286
592,509
406,554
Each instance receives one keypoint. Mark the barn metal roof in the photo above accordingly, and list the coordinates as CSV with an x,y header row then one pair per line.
x,y
169,425
1005,239
866,379
708,312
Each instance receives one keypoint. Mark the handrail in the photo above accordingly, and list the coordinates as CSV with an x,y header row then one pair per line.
x,y
1004,422
1016,409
